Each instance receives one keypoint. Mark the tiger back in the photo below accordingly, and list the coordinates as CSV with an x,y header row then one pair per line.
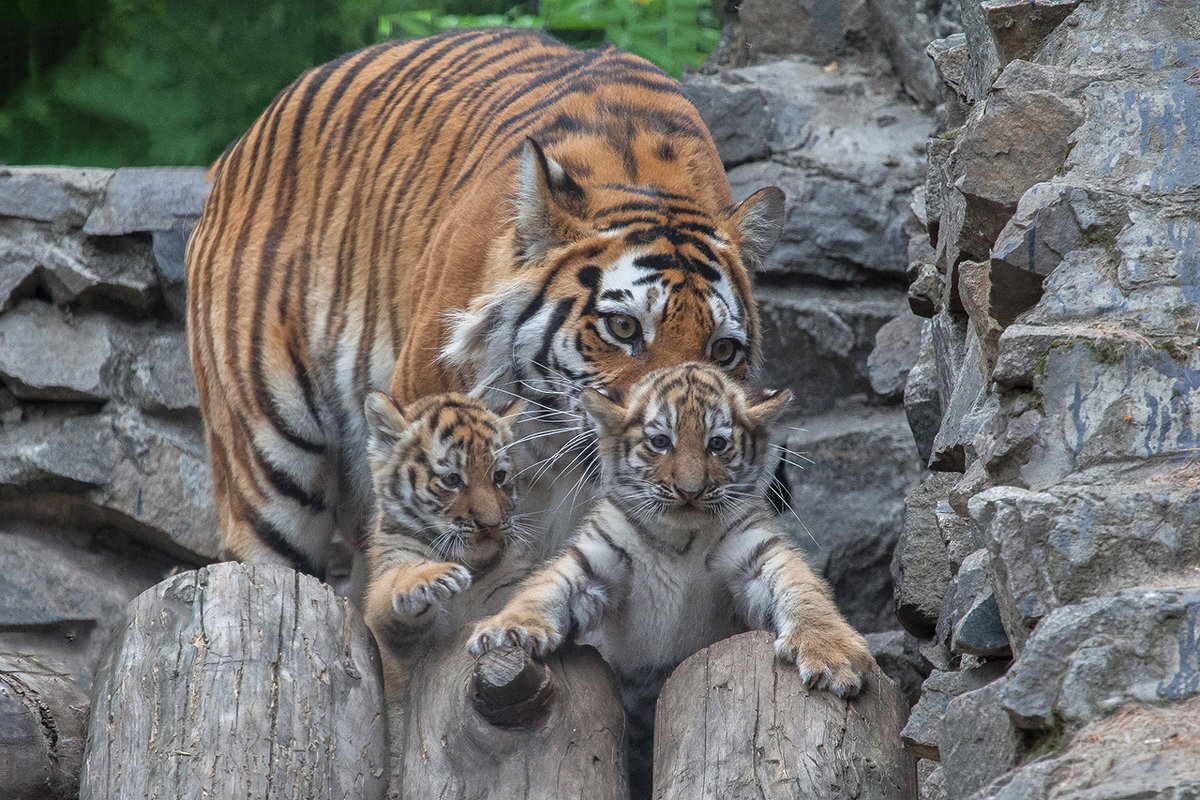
x,y
444,479
479,207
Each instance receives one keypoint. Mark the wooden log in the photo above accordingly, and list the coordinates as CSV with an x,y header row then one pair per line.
x,y
238,681
733,722
43,722
509,728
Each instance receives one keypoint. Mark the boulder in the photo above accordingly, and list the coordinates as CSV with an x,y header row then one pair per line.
x,y
978,741
1019,26
920,567
1086,660
922,733
1147,753
922,404
970,619
59,195
897,346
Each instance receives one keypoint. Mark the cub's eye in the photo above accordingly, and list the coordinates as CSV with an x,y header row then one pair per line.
x,y
624,327
500,476
717,444
660,442
452,480
723,351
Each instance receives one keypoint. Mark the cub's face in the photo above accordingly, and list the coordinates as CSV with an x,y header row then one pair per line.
x,y
688,442
442,473
611,283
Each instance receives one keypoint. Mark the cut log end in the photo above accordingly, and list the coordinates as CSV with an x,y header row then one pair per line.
x,y
511,689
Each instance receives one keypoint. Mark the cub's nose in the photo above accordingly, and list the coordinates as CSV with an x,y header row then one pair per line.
x,y
489,531
688,497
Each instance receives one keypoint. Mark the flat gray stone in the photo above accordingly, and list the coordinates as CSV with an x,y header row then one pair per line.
x,y
148,199
61,195
45,355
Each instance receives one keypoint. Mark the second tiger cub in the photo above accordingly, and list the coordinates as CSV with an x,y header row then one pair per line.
x,y
681,551
444,494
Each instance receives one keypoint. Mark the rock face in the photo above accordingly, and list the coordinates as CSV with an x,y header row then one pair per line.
x,y
1061,358
104,483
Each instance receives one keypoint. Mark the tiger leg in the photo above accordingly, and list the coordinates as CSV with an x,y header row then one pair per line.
x,y
400,608
781,591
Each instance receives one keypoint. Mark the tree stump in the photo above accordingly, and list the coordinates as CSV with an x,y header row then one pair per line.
x,y
509,728
238,681
733,722
43,722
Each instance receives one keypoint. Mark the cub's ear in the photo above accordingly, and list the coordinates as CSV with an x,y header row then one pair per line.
x,y
757,223
549,203
608,412
385,426
763,406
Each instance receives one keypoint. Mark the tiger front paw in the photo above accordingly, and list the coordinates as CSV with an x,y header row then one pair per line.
x,y
834,658
433,585
528,632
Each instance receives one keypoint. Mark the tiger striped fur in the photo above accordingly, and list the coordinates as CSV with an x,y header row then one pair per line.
x,y
681,550
444,482
478,207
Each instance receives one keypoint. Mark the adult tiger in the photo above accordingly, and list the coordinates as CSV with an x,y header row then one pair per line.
x,y
423,216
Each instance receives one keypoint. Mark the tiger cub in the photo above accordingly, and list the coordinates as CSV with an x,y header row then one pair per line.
x,y
444,493
680,550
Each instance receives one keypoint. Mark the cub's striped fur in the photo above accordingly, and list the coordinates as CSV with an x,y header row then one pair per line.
x,y
444,483
479,207
681,550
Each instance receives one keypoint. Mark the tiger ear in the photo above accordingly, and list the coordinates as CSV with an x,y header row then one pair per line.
x,y
763,406
549,204
385,426
608,411
758,221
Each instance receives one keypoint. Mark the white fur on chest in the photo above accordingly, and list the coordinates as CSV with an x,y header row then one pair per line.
x,y
673,604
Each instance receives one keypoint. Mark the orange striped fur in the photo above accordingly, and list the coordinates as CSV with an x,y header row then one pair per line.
x,y
479,207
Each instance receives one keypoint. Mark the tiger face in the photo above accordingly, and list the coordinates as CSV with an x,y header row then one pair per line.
x,y
613,282
442,474
687,442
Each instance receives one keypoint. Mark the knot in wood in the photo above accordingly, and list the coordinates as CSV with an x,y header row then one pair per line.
x,y
511,690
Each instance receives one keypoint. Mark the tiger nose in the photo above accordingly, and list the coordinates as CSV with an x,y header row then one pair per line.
x,y
687,496
489,531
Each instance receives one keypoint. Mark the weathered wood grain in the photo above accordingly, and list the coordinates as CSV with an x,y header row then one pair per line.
x,y
238,681
561,731
43,722
733,722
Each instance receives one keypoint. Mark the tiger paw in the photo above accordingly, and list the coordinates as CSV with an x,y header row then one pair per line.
x,y
414,594
833,658
530,633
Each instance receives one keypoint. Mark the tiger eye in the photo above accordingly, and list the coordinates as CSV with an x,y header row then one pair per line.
x,y
660,442
723,350
624,327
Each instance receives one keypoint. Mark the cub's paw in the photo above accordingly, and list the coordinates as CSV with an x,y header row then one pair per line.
x,y
431,585
834,658
526,631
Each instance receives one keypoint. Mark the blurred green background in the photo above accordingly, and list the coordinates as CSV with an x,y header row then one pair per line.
x,y
113,83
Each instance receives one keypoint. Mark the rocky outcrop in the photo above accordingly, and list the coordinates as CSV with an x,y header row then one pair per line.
x,y
1063,302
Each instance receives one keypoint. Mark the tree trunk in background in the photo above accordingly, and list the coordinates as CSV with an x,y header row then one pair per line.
x,y
557,731
43,721
238,680
733,722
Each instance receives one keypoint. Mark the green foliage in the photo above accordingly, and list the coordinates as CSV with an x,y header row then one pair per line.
x,y
672,33
135,82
